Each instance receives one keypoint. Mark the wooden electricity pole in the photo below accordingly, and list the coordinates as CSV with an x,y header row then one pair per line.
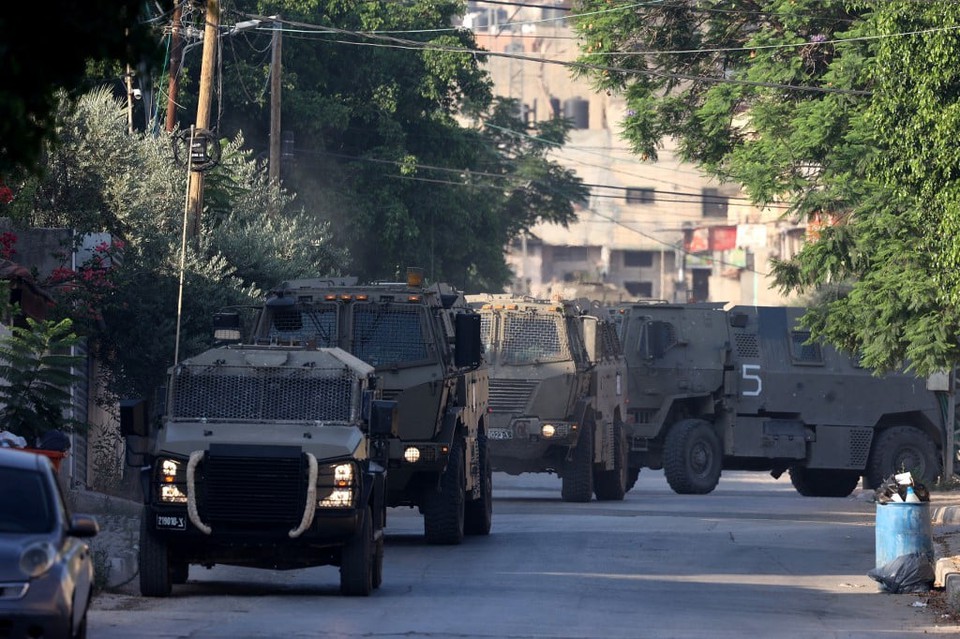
x,y
176,51
274,168
210,44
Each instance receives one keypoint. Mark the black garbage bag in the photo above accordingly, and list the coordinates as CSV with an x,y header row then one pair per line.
x,y
55,440
912,573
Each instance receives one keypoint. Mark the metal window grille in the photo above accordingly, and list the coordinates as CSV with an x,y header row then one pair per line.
x,y
305,325
528,339
388,335
241,393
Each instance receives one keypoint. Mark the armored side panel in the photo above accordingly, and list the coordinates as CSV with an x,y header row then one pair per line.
x,y
802,400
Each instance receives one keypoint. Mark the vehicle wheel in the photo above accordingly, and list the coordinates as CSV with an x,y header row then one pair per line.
x,y
901,449
378,561
692,457
633,473
824,482
80,632
155,570
479,512
611,485
444,507
578,472
357,560
179,572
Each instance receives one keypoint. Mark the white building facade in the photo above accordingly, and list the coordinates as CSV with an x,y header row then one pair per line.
x,y
650,229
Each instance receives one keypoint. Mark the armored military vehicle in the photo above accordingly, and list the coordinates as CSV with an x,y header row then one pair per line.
x,y
424,343
264,456
557,377
747,389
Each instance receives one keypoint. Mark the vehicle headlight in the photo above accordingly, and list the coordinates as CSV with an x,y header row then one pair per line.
x,y
336,486
172,477
548,430
411,454
37,558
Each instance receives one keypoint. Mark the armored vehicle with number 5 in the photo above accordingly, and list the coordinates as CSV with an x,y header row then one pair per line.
x,y
747,389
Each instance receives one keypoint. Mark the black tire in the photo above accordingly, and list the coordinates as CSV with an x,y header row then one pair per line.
x,y
378,561
901,449
824,482
692,457
156,579
444,508
611,485
357,560
80,632
633,473
478,517
577,480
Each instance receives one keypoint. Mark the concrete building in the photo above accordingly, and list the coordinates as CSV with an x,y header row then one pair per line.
x,y
650,230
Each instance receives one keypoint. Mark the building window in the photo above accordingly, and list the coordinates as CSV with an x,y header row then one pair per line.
x,y
714,204
639,289
638,259
640,196
570,253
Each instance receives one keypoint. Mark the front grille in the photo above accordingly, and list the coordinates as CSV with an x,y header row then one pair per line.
x,y
253,486
262,394
510,395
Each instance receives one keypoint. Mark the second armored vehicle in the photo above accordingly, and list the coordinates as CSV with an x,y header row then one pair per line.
x,y
557,388
424,343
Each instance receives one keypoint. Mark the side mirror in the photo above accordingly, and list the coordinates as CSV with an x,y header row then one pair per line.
x,y
384,418
133,417
469,347
226,326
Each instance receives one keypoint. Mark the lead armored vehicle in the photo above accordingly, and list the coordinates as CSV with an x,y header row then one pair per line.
x,y
264,456
746,389
557,389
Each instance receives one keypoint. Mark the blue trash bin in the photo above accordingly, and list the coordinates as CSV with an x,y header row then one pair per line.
x,y
903,529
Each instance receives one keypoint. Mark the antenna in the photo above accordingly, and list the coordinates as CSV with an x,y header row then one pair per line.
x,y
183,249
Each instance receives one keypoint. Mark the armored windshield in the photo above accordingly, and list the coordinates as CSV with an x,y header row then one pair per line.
x,y
303,324
389,334
528,339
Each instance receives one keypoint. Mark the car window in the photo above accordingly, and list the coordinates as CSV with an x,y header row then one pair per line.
x,y
26,506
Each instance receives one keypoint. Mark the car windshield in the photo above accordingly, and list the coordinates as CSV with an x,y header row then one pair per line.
x,y
25,502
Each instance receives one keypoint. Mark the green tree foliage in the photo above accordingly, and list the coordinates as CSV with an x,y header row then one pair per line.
x,y
33,72
37,369
101,179
378,96
841,110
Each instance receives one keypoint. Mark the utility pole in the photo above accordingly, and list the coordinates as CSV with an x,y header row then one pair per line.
x,y
210,45
274,168
129,79
176,52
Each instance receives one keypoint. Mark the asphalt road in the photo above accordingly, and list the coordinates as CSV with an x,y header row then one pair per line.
x,y
751,559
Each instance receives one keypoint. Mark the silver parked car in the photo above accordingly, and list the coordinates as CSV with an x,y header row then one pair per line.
x,y
46,566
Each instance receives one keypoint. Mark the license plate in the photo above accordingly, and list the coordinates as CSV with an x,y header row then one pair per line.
x,y
499,433
170,522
